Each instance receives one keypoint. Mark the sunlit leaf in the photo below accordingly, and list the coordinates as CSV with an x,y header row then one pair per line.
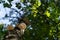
x,y
47,13
22,0
38,3
35,15
50,33
33,7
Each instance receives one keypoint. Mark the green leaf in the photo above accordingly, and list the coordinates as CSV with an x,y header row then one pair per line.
x,y
35,15
38,3
47,13
7,5
22,0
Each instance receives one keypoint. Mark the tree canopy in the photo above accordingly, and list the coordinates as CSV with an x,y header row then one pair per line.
x,y
44,17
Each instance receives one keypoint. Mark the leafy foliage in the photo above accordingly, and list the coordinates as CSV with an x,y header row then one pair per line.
x,y
2,33
44,16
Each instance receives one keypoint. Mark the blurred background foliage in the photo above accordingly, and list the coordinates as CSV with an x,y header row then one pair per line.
x,y
44,17
2,33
